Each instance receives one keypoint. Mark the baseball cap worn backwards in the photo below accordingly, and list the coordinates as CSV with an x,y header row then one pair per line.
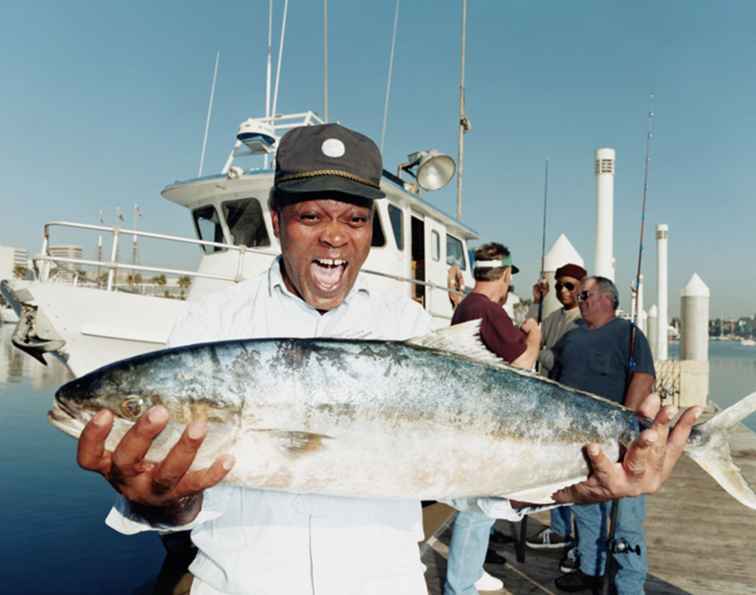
x,y
328,158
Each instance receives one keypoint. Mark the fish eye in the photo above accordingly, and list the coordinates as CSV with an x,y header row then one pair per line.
x,y
132,406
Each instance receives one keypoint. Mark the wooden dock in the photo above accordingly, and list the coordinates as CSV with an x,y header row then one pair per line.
x,y
700,539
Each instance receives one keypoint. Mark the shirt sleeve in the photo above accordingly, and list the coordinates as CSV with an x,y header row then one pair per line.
x,y
124,520
501,336
644,359
496,508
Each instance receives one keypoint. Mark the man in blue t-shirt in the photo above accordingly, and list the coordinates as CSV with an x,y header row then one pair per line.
x,y
596,356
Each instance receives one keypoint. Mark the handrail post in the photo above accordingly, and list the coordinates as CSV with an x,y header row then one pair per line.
x,y
240,263
44,270
114,264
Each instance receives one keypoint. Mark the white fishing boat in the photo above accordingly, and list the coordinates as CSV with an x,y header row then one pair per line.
x,y
748,342
87,326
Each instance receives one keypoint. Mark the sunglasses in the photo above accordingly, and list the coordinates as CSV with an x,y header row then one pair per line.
x,y
566,285
584,295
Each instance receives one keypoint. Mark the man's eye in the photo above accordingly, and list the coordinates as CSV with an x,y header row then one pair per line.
x,y
358,220
308,217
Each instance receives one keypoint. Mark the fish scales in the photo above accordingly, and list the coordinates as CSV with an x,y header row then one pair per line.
x,y
360,418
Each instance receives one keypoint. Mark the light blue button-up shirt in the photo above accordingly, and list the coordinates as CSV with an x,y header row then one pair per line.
x,y
262,542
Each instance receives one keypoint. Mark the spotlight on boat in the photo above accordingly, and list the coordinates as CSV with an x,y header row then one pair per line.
x,y
432,169
258,136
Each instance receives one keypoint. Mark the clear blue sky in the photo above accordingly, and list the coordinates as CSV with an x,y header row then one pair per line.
x,y
103,105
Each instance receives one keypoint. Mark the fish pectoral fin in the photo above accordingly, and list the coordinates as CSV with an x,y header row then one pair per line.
x,y
542,494
462,339
297,441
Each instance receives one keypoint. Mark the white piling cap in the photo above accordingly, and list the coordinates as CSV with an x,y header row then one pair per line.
x,y
695,288
653,312
605,153
561,253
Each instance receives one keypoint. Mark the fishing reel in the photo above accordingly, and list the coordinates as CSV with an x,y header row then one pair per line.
x,y
621,546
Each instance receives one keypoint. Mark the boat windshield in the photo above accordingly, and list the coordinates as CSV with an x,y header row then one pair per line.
x,y
246,223
208,226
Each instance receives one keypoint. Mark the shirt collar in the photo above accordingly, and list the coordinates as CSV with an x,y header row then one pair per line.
x,y
276,281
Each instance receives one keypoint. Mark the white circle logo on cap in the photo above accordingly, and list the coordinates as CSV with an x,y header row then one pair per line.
x,y
333,147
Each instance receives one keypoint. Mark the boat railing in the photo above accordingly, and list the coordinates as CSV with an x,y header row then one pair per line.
x,y
45,260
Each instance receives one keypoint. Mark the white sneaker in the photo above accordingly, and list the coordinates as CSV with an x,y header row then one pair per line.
x,y
488,583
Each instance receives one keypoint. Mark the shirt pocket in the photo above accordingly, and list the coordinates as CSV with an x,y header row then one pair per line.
x,y
599,362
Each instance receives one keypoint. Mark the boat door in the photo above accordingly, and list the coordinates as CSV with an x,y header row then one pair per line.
x,y
417,233
436,296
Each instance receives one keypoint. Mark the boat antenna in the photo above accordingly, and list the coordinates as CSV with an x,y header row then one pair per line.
x,y
325,60
543,234
615,545
649,137
390,73
269,59
464,123
280,55
209,113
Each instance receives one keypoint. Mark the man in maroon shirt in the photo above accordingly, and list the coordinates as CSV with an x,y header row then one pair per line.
x,y
519,347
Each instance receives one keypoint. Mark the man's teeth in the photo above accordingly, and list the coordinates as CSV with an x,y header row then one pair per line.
x,y
330,262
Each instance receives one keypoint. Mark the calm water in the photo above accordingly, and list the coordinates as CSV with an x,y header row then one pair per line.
x,y
53,537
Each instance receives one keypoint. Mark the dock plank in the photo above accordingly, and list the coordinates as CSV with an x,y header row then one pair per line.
x,y
700,539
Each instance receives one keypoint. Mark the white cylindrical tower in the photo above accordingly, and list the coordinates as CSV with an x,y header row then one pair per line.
x,y
605,213
694,316
653,315
662,235
562,252
641,311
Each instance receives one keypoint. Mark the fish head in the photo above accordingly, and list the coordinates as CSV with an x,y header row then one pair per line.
x,y
128,390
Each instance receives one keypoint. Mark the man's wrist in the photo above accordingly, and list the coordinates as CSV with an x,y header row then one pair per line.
x,y
177,513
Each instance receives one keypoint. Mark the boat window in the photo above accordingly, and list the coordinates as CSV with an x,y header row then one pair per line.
x,y
379,238
246,223
455,252
395,214
207,224
435,246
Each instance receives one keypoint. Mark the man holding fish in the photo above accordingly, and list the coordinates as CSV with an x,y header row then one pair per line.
x,y
265,541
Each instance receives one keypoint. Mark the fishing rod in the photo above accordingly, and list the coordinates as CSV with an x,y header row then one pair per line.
x,y
621,546
543,238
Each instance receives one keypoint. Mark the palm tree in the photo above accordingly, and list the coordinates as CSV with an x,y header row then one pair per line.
x,y
20,271
184,282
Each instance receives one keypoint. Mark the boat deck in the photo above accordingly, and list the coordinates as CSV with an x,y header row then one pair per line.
x,y
700,540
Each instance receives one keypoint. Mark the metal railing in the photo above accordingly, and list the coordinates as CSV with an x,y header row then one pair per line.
x,y
113,265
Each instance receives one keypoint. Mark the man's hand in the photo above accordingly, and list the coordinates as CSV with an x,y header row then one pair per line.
x,y
165,492
455,282
540,289
531,328
648,462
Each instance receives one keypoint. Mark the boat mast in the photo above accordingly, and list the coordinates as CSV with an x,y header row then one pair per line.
x,y
464,123
390,74
269,63
325,60
280,55
209,113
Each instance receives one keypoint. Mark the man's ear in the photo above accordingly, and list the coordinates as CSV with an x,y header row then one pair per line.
x,y
274,219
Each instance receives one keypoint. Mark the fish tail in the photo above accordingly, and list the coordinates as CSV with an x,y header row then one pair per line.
x,y
708,446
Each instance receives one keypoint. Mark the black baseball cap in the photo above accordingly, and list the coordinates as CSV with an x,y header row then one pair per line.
x,y
328,158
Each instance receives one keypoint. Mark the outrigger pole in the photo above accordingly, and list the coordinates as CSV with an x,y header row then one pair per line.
x,y
464,123
621,546
209,115
543,235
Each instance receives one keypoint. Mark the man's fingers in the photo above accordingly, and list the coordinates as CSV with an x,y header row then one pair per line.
x,y
198,481
650,406
678,437
91,454
640,453
137,441
180,458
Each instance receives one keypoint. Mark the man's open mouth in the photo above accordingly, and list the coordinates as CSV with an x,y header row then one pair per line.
x,y
328,272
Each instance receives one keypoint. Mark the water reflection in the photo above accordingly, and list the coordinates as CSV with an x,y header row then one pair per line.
x,y
16,366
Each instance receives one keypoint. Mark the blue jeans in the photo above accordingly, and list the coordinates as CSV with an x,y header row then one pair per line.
x,y
592,520
467,552
561,521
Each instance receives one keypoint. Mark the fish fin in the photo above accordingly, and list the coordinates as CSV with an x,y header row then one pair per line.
x,y
542,494
462,339
296,441
709,448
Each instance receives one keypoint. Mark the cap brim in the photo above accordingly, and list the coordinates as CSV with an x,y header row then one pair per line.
x,y
515,270
320,184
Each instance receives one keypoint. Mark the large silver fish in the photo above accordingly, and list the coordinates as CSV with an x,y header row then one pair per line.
x,y
435,417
